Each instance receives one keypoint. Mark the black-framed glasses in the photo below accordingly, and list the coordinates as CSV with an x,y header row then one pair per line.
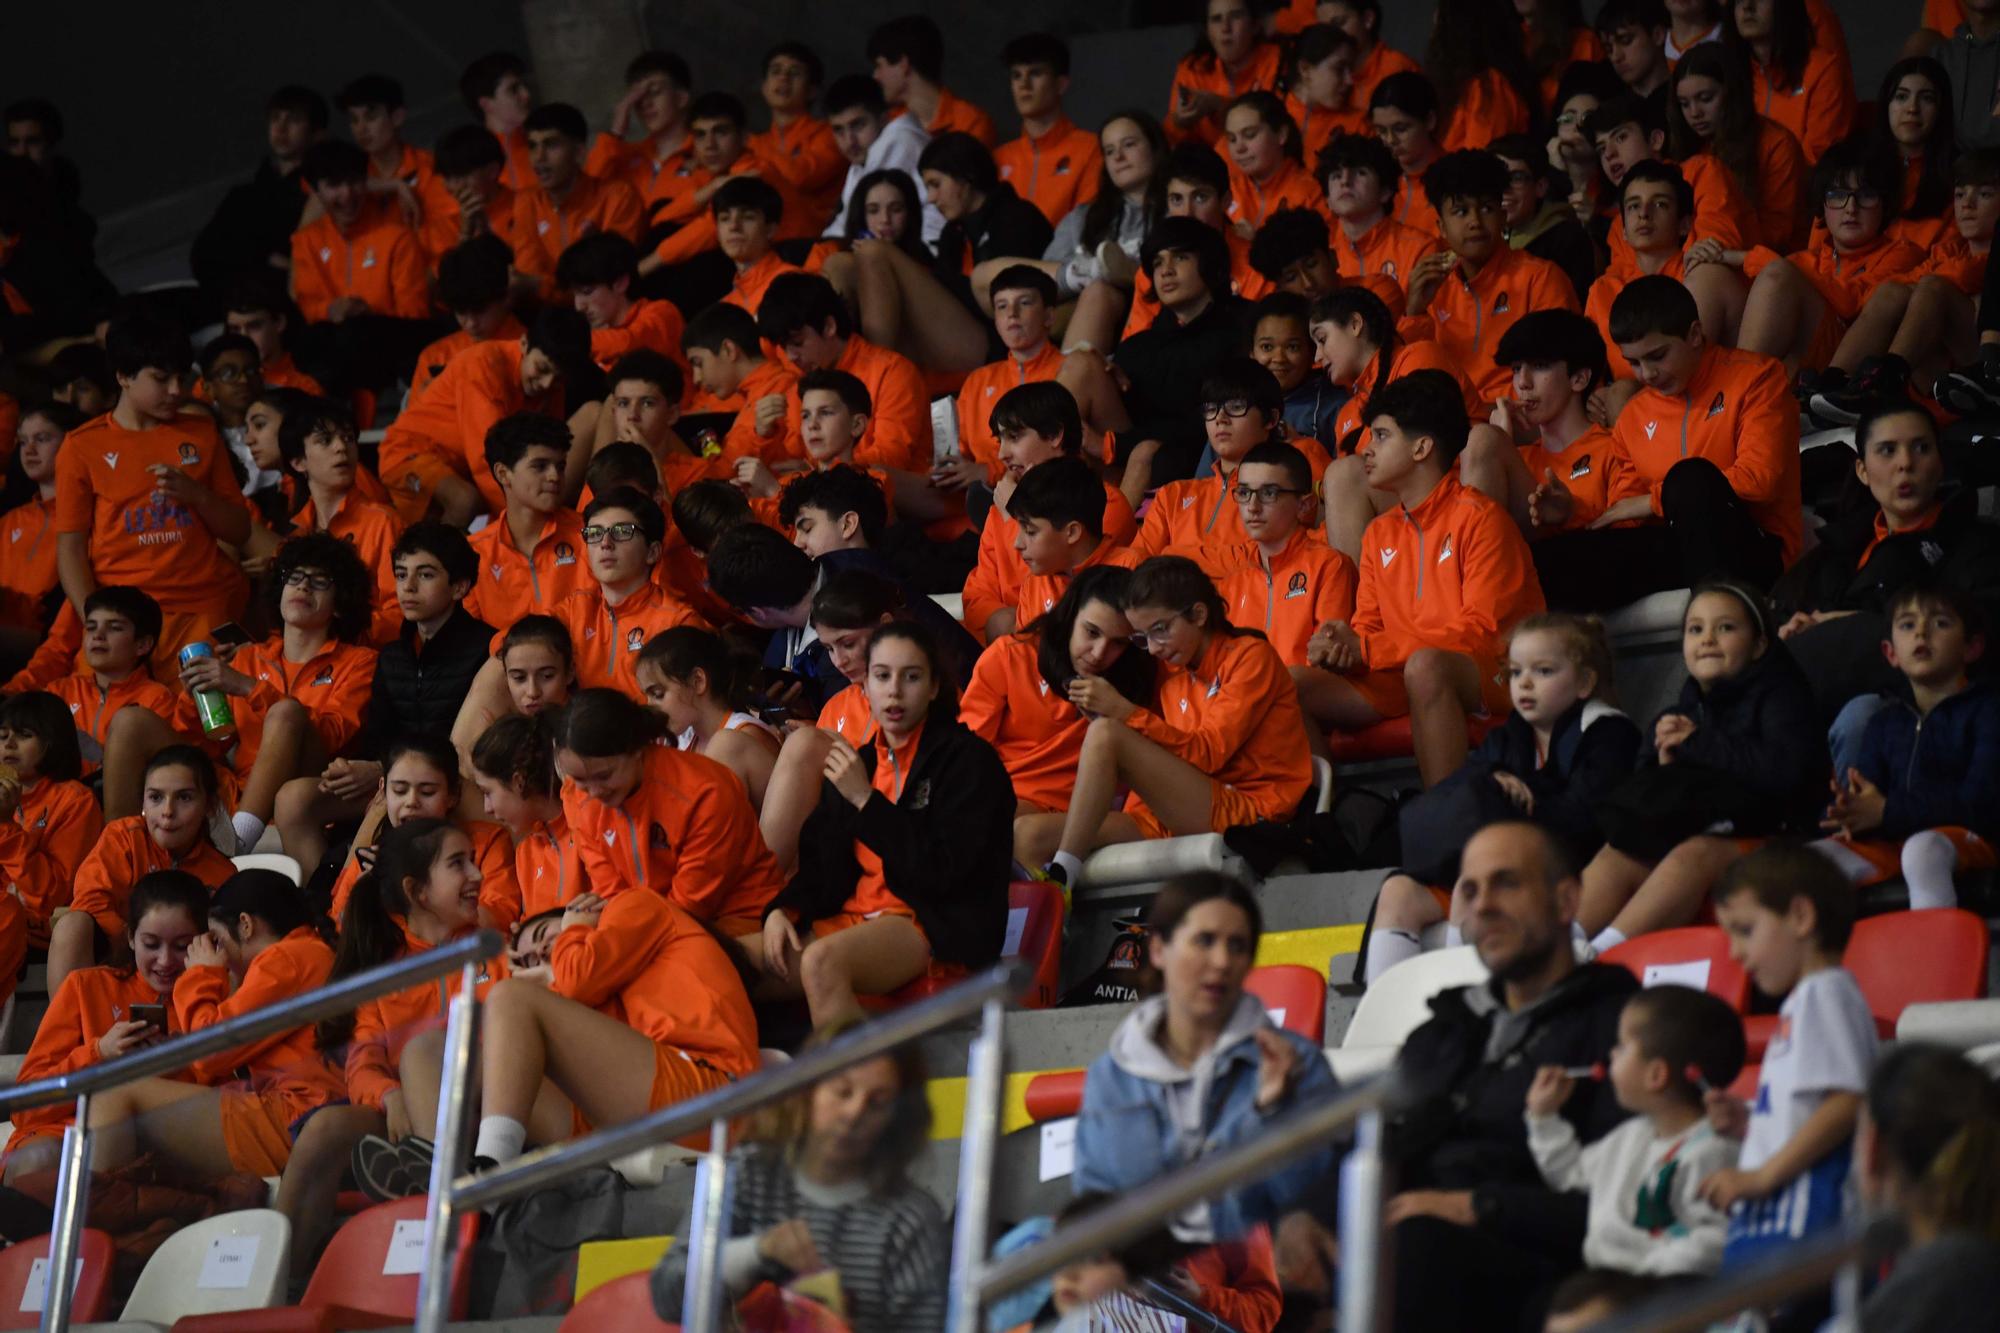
x,y
307,579
1229,407
593,533
1243,494
1841,197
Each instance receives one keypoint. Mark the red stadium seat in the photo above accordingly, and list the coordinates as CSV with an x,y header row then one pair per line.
x,y
1040,946
1391,740
349,1290
1295,995
93,1281
624,1304
1906,958
1688,946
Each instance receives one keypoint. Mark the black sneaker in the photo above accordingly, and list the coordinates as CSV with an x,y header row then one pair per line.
x,y
379,1170
416,1152
1972,390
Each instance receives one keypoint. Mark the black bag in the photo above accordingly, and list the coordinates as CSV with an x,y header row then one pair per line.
x,y
1436,825
1658,808
1116,981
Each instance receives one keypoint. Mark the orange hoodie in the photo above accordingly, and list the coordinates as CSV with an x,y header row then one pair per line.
x,y
286,1063
1488,108
492,848
996,581
1289,596
1819,111
607,639
1291,186
1056,172
1037,731
1472,317
125,852
548,867
380,260
899,427
1408,357
1585,468
658,970
982,390
93,705
480,385
1202,72
1234,714
28,573
42,847
89,1003
384,1025
1844,281
543,228
1388,249
372,530
332,685
686,833
1737,412
511,585
1453,573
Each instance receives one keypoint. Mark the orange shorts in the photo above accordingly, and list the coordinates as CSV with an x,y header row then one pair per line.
x,y
736,927
257,1130
677,1076
839,921
1885,858
1228,808
412,484
1390,697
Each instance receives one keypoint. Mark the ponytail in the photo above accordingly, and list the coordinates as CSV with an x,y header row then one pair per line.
x,y
267,895
369,933
1963,1184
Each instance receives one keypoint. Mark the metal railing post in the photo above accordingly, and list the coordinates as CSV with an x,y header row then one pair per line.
x,y
66,1227
703,1298
1364,1244
977,1141
448,1153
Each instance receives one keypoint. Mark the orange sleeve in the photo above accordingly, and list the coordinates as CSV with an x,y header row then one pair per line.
x,y
202,998
1720,213
1829,106
591,964
56,656
499,884
1238,1282
899,433
62,1040
1367,619
987,587
607,157
1156,533
480,405
1337,591
1767,441
712,863
984,702
1245,691
623,212
371,1074
408,280
531,254
817,164
309,290
1501,586
104,881
42,868
1781,206
694,237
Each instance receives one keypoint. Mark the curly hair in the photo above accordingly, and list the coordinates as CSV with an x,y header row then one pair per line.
x,y
353,585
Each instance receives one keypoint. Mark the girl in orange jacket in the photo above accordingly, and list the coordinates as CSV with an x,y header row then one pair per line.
x,y
514,766
692,679
1479,67
536,671
55,821
1018,701
1712,110
1266,162
90,1016
178,790
420,780
1801,86
1913,111
1221,742
239,1115
1230,57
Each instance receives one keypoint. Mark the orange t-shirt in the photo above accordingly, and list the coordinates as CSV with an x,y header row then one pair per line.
x,y
380,260
807,161
548,867
686,833
511,585
1819,111
103,490
27,562
1584,467
996,580
1203,72
481,385
982,389
1289,596
543,228
1453,573
1234,714
124,853
1290,186
1056,171
1036,731
1472,316
372,529
899,428
287,1063
41,847
607,639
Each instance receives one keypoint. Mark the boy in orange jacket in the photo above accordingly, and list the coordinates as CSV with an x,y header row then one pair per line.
x,y
470,166
726,359
531,557
1054,165
318,443
398,171
804,316
495,91
1564,467
799,147
120,628
834,411
721,138
1292,582
660,163
1444,576
472,285
1242,406
1360,175
565,203
1058,508
599,273
745,215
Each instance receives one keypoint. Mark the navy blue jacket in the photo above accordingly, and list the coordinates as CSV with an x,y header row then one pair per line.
x,y
1939,769
1761,729
1594,748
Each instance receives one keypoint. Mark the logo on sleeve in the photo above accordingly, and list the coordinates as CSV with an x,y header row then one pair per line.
x,y
1715,408
542,227
1295,586
14,536
111,461
1580,468
1388,554
189,454
1444,551
565,555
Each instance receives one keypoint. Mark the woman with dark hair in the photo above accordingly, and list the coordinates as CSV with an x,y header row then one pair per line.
x,y
700,685
1198,1066
1712,110
1913,111
514,767
1266,162
826,1185
885,206
1794,82
904,863
1484,84
49,820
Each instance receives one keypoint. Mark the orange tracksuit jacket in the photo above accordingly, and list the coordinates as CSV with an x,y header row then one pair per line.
x,y
1453,573
1780,202
1290,186
1204,73
1234,714
1290,595
1054,172
543,228
124,852
771,376
434,358
995,582
481,385
1721,213
1413,207
805,157
1036,731
696,234
660,182
982,390
444,225
1488,108
287,1064
1380,62
1040,592
27,561
652,324
381,261
492,848
511,585
93,705
1954,260
1388,249
1585,467
1317,125
848,714
899,428
1198,519
654,967
89,1003
1844,281
372,529
384,1025
1408,357
687,833
1819,111
1624,267
548,867
607,639
42,847
1471,317
747,288
1738,412
332,685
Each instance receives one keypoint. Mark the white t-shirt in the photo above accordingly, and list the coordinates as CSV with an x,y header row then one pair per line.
x,y
1825,1043
897,148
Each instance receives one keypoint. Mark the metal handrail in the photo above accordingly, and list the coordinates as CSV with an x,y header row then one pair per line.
x,y
1136,1212
1794,1270
981,994
72,1189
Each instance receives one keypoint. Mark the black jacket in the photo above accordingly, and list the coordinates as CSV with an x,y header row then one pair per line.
x,y
1464,1128
254,222
1761,731
1166,364
1594,747
947,846
1004,225
419,694
1959,549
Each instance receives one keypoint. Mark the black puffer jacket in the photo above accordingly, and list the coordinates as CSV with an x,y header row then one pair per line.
x,y
418,692
947,846
1594,747
1760,731
1960,549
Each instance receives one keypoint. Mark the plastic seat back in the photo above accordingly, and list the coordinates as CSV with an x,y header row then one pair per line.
x,y
233,1261
278,861
1040,940
24,1280
1906,958
350,1274
624,1304
1694,956
1398,1002
1295,995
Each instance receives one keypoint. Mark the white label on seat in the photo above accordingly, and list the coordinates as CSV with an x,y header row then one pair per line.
x,y
34,1296
1277,1018
1691,974
227,1265
1017,925
406,1249
1058,1148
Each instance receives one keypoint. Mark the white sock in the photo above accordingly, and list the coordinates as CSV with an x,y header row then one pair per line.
x,y
1386,948
500,1138
1928,862
1072,865
248,828
1608,938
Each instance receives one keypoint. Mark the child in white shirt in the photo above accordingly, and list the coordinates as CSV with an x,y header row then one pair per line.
x,y
1645,1178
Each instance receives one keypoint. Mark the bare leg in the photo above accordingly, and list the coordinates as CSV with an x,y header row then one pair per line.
x,y
1036,837
1137,477
1331,701
1305,678
1351,505
303,813
290,749
1098,318
872,958
903,306
312,1176
839,271
458,501
1088,379
1718,292
72,944
486,702
1444,692
1673,892
421,1067
130,742
1940,330
1178,792
532,1033
1875,327
1609,882
1781,315
26,1160
793,793
182,1121
920,502
1492,465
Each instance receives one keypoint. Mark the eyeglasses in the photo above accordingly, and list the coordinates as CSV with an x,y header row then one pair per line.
x,y
1569,118
1157,633
1232,407
1263,494
620,533
305,578
228,375
1839,197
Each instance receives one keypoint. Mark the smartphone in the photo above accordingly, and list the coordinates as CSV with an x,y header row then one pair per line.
x,y
777,680
155,1014
229,634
